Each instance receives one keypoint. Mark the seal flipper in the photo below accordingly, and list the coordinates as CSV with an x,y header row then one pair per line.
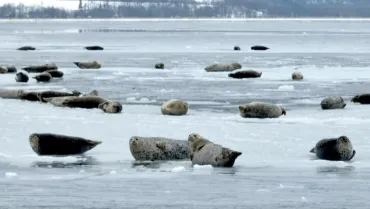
x,y
161,146
353,154
76,93
313,150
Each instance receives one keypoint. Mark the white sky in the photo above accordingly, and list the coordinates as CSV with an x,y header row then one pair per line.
x,y
56,3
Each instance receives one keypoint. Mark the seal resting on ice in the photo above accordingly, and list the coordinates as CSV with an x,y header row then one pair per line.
x,y
174,107
40,68
205,152
236,48
245,74
362,99
334,149
87,102
159,66
258,47
55,144
10,94
158,148
332,102
27,48
55,73
223,67
297,76
43,77
21,77
88,65
52,94
3,70
94,48
261,110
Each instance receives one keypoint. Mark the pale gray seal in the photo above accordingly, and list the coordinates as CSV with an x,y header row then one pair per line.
x,y
159,66
55,73
334,149
332,102
21,77
88,65
55,144
10,94
52,94
245,74
87,102
297,76
158,148
205,152
40,68
261,110
174,107
94,48
236,48
362,99
27,48
43,77
3,69
258,47
223,67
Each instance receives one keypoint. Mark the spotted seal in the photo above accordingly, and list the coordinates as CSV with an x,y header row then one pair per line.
x,y
334,149
21,77
40,68
297,76
332,102
174,107
223,67
245,74
261,110
158,148
361,98
205,152
88,65
60,145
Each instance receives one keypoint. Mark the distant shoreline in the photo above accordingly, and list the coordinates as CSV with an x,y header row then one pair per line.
x,y
184,19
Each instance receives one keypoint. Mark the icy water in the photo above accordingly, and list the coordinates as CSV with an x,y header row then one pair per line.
x,y
275,170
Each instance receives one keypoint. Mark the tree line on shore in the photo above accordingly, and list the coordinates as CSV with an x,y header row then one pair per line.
x,y
221,9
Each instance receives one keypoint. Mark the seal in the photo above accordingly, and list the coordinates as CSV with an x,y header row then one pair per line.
x,y
21,77
52,94
205,152
87,102
29,96
236,48
43,77
10,94
11,69
245,74
223,67
261,110
362,99
174,107
158,148
334,149
88,65
332,102
297,76
94,48
3,70
58,101
40,68
258,47
159,66
55,73
60,145
26,48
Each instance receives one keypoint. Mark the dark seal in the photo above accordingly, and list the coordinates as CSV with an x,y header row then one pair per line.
x,y
259,48
362,99
27,48
94,48
236,48
54,144
159,66
50,94
21,77
43,77
334,149
11,69
55,73
245,74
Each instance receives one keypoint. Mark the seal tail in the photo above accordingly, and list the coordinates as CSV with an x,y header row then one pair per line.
x,y
48,99
77,63
313,150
